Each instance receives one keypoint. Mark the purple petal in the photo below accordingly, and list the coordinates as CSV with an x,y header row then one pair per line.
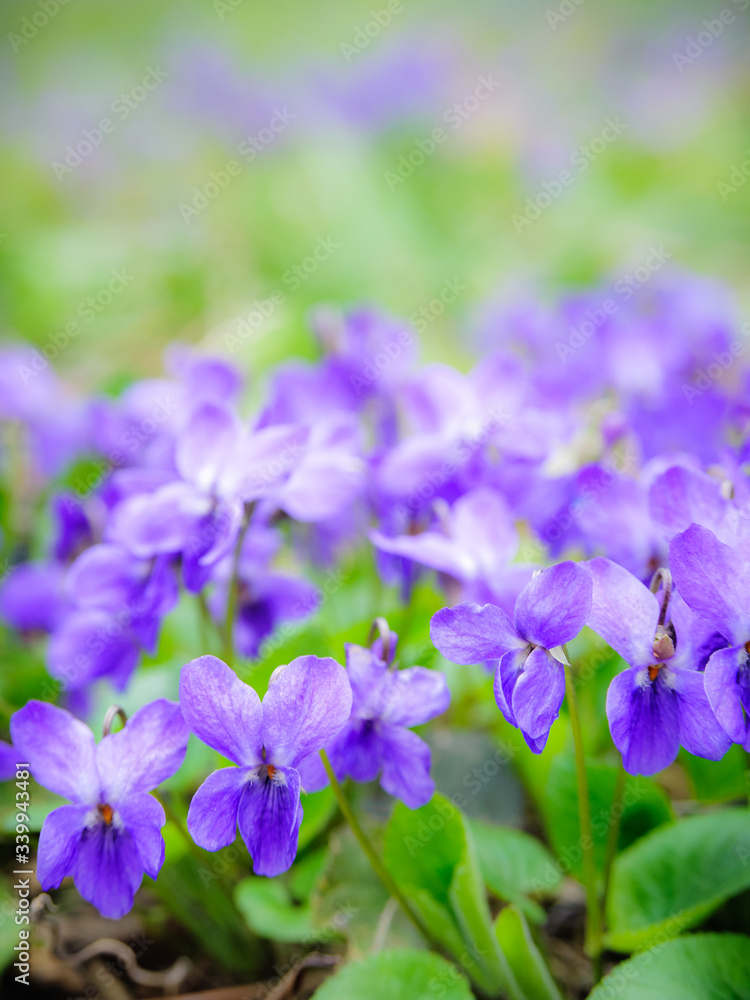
x,y
506,675
714,580
60,750
263,460
482,523
206,445
312,774
553,607
269,819
406,766
725,694
696,638
212,817
161,522
32,597
469,633
644,721
415,696
147,751
623,612
108,870
368,676
306,705
58,844
700,733
105,576
89,645
221,710
681,497
357,751
143,817
538,693
8,760
322,485
430,549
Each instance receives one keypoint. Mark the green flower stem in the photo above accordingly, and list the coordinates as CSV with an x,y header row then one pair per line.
x,y
372,856
593,912
233,591
613,835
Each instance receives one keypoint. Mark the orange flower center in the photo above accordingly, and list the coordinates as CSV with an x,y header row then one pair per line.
x,y
106,812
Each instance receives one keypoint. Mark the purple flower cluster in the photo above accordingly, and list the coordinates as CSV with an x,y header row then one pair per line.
x,y
615,449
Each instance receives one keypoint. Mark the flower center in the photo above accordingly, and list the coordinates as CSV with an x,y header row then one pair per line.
x,y
106,812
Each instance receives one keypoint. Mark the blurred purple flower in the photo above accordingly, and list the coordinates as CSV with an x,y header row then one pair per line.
x,y
377,737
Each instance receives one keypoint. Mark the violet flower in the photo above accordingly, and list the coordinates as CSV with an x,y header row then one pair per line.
x,y
714,579
307,703
659,703
110,833
377,739
477,541
529,679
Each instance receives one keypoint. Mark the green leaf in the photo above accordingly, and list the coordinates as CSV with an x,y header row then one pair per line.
x,y
524,958
269,911
675,877
696,967
645,807
514,864
431,853
717,780
396,975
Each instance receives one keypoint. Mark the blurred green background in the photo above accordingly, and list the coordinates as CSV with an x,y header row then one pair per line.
x,y
360,84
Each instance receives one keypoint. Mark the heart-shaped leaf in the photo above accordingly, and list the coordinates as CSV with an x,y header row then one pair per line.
x,y
694,967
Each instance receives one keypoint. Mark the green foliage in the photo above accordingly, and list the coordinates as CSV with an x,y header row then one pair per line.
x,y
646,806
524,957
515,865
672,879
690,968
431,854
396,975
270,912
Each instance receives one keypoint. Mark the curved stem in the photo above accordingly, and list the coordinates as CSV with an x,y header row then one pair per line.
x,y
372,856
613,834
233,590
593,913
